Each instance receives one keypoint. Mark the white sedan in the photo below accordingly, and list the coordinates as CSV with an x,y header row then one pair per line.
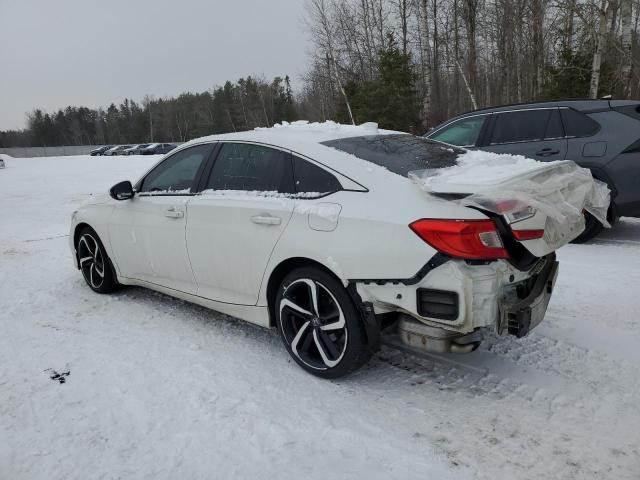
x,y
317,230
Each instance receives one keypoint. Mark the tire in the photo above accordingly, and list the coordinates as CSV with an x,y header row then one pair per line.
x,y
95,265
325,352
592,228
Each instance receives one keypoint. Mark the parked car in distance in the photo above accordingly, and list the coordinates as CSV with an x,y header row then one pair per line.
x,y
321,233
117,150
100,150
136,149
601,135
157,149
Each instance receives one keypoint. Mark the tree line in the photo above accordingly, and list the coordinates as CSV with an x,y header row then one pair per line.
x,y
406,64
242,105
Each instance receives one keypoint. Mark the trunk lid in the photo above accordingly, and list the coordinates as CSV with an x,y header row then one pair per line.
x,y
541,204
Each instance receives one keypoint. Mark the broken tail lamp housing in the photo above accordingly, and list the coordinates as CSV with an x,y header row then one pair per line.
x,y
468,239
515,211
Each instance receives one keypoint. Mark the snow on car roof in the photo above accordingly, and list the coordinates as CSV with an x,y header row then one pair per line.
x,y
305,138
287,134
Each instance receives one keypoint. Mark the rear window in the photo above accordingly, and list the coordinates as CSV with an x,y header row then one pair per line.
x,y
577,124
399,153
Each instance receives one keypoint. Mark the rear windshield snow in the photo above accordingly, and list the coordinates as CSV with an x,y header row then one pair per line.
x,y
399,153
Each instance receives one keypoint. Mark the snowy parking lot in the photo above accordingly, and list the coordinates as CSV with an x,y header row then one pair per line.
x,y
146,386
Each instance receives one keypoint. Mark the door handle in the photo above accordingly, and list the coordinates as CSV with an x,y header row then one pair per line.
x,y
173,213
547,152
266,220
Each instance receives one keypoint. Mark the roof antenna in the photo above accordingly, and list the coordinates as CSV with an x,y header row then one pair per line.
x,y
606,97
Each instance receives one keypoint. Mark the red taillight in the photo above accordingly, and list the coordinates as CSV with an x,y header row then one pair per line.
x,y
527,234
470,239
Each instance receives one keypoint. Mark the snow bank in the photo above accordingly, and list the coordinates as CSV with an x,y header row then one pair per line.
x,y
507,184
3,159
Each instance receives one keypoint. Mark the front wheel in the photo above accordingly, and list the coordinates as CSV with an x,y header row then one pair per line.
x,y
94,262
319,324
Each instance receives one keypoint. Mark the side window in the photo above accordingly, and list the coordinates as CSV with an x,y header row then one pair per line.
x,y
520,126
554,126
312,179
577,124
463,133
176,173
242,166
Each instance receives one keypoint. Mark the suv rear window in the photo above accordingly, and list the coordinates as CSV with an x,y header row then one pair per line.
x,y
398,153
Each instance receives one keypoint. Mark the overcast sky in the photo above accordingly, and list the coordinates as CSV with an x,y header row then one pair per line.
x,y
55,53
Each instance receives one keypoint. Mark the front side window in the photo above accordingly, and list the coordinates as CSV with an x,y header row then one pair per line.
x,y
463,133
176,173
520,126
242,166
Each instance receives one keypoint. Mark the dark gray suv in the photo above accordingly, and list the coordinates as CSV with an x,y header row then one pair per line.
x,y
601,135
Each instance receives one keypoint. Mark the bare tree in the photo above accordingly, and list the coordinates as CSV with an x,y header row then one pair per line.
x,y
627,58
320,16
426,59
603,12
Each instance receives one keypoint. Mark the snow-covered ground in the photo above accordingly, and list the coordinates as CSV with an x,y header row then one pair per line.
x,y
158,388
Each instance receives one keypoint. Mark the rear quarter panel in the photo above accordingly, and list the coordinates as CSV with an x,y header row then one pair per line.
x,y
372,239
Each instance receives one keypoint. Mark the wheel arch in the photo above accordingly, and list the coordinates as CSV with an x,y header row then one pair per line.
x,y
76,233
281,271
76,238
370,323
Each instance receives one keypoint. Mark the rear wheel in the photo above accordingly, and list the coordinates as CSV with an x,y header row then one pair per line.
x,y
319,324
94,262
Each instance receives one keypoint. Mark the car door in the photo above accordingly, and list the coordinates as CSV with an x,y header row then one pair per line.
x,y
235,222
147,233
535,133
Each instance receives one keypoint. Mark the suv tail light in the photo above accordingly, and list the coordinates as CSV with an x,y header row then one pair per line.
x,y
469,239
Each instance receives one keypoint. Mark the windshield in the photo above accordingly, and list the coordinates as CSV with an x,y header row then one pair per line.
x,y
399,153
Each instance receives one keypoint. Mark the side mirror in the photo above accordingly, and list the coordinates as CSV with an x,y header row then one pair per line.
x,y
121,191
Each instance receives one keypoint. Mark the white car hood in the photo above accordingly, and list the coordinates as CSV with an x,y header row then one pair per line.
x,y
96,199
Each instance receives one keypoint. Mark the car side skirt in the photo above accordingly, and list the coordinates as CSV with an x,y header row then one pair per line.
x,y
249,313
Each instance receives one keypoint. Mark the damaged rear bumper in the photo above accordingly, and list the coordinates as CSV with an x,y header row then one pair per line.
x,y
460,297
520,317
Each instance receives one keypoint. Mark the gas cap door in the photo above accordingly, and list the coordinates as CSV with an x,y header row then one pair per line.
x,y
323,216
